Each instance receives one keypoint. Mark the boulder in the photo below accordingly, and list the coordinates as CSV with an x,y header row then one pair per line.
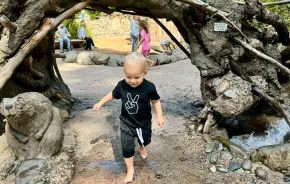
x,y
276,157
71,57
85,58
116,60
178,55
163,59
100,58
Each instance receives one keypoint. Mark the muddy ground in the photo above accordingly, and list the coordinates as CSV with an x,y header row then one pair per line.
x,y
175,154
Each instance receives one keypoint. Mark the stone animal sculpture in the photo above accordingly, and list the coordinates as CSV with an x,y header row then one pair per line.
x,y
33,126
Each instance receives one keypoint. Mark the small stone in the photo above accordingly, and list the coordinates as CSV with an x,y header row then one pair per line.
x,y
287,179
234,166
247,165
214,157
192,127
200,128
261,173
209,147
206,138
228,93
222,169
64,114
213,169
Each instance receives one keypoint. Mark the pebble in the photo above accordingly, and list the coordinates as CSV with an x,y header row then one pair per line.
x,y
247,165
209,147
206,138
214,157
213,169
261,173
228,93
222,169
192,127
287,179
234,166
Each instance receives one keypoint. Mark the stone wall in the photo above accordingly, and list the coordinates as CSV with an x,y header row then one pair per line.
x,y
118,24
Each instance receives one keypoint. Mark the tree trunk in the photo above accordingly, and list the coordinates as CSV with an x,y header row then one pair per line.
x,y
226,92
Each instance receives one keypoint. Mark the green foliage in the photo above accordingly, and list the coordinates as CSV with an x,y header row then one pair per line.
x,y
73,27
93,14
282,10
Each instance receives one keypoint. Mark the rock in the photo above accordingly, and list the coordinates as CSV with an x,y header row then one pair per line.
x,y
100,58
222,169
247,165
220,132
37,127
235,149
276,157
153,58
225,158
71,57
28,171
85,58
228,93
198,104
261,173
286,137
192,127
209,147
206,138
116,60
177,55
214,157
64,114
234,166
163,59
241,97
213,169
286,179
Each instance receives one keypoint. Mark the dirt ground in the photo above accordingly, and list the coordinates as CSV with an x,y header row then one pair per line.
x,y
175,154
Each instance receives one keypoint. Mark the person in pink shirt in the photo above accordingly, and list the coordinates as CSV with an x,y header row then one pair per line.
x,y
145,41
145,38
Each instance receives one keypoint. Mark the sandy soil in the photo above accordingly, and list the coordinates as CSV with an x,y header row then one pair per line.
x,y
174,155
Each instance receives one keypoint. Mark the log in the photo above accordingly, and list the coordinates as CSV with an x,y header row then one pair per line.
x,y
49,25
268,4
263,56
59,55
172,37
6,23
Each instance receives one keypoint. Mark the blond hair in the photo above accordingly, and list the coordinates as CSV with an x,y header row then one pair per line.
x,y
136,58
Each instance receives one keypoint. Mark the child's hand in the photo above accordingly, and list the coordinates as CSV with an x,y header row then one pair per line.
x,y
160,121
97,107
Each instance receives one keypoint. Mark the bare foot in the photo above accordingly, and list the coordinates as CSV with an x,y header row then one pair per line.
x,y
129,176
142,151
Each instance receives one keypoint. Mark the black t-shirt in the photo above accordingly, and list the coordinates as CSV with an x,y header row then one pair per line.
x,y
136,108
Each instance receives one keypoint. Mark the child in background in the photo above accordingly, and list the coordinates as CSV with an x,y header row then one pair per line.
x,y
136,93
145,41
145,38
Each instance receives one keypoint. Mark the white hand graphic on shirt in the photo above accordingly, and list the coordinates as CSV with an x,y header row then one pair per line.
x,y
132,105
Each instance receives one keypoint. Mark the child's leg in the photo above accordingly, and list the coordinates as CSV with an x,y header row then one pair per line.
x,y
128,149
130,169
146,135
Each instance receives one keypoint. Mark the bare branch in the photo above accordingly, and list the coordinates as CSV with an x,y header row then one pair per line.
x,y
264,56
215,11
268,4
204,6
11,26
48,25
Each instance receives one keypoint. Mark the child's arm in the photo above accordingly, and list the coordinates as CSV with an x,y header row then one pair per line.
x,y
150,62
158,110
107,98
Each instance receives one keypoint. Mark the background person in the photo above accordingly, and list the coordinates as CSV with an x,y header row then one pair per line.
x,y
63,34
82,36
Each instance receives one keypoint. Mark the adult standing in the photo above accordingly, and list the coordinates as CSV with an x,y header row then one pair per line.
x,y
82,36
62,35
134,30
